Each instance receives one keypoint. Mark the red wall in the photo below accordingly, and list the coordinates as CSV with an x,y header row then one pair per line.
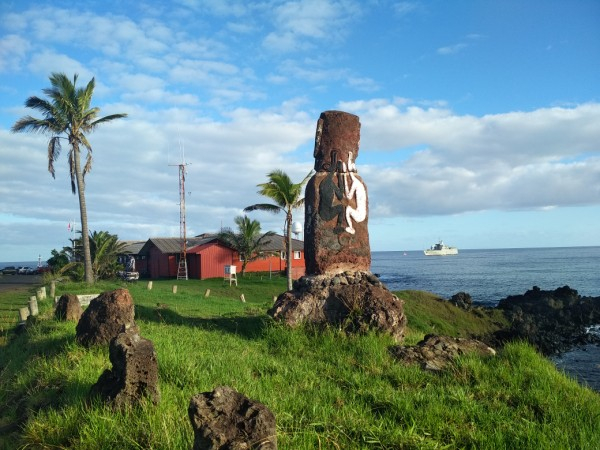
x,y
209,261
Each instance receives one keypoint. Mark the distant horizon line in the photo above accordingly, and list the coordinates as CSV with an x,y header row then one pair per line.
x,y
35,262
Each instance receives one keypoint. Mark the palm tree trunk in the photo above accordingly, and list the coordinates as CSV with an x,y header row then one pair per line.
x,y
288,232
85,238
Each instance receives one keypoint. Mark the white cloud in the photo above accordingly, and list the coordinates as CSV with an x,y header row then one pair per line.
x,y
300,24
451,49
505,161
13,49
48,61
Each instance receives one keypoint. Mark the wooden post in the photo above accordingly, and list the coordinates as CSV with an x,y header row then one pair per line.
x,y
207,293
33,306
23,313
242,298
174,289
149,285
52,289
43,292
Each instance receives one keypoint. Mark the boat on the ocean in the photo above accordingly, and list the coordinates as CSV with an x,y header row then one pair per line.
x,y
441,249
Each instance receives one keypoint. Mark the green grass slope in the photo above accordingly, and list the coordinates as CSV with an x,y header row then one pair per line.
x,y
327,390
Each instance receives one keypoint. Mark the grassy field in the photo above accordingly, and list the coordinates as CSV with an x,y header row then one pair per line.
x,y
327,390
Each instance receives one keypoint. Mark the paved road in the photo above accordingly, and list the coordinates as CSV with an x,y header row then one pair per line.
x,y
18,282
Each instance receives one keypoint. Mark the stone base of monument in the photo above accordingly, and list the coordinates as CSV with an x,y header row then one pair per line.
x,y
354,301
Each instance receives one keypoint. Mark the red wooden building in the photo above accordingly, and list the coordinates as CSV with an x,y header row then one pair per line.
x,y
207,257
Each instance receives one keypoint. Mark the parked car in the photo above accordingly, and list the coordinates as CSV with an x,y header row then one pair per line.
x,y
43,269
9,270
31,271
23,270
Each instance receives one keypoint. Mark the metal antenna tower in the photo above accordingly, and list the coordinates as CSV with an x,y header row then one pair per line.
x,y
182,272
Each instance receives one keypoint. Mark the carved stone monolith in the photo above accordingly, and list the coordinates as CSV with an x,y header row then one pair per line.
x,y
336,204
338,287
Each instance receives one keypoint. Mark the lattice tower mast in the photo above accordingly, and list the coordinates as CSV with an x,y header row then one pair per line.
x,y
182,273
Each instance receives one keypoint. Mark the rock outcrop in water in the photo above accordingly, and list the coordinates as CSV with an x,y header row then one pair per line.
x,y
553,321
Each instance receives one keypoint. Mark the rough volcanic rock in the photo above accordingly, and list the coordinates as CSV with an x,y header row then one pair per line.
x,y
435,352
227,420
68,308
134,373
336,235
105,317
462,300
357,301
553,321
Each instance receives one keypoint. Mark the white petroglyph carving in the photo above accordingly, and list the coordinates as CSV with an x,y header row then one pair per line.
x,y
358,192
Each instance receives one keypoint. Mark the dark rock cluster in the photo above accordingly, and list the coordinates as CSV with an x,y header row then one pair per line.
x,y
553,321
356,301
434,352
224,419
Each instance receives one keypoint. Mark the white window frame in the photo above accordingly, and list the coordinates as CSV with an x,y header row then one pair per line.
x,y
297,254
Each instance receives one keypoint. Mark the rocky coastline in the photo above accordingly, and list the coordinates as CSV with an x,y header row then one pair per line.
x,y
552,321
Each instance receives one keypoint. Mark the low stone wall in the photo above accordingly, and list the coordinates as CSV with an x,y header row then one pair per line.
x,y
84,299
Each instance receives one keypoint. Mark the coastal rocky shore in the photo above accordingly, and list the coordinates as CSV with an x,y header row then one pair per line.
x,y
553,321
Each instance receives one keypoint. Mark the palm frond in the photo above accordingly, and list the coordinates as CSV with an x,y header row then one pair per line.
x,y
264,207
54,149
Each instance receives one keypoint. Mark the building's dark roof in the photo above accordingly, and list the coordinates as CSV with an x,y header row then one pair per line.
x,y
132,247
277,244
173,245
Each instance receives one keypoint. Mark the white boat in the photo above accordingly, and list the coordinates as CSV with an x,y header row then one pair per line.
x,y
441,249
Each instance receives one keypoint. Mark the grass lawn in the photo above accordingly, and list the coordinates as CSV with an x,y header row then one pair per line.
x,y
326,389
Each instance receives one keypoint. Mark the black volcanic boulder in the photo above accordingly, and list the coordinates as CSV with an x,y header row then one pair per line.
x,y
553,321
356,301
435,352
105,317
68,308
134,373
462,300
224,419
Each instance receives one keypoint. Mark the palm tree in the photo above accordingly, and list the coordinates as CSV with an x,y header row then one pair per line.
x,y
287,197
68,115
104,249
247,241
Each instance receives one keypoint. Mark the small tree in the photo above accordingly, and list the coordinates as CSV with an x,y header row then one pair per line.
x,y
105,248
248,241
287,197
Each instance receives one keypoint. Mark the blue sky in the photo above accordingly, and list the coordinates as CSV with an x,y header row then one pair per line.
x,y
480,119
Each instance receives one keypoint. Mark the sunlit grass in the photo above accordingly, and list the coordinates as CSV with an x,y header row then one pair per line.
x,y
328,390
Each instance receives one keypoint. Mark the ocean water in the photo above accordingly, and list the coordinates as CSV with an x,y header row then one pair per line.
x,y
20,264
491,275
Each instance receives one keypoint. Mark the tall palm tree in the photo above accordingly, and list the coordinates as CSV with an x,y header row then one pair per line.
x,y
68,115
287,197
248,240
